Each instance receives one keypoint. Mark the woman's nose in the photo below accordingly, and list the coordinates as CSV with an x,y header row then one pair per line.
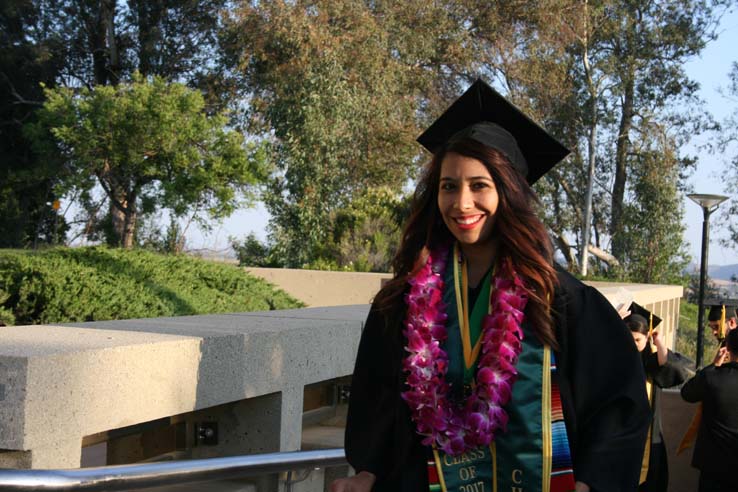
x,y
465,200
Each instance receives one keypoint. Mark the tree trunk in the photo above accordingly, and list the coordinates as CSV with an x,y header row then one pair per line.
x,y
563,244
129,228
118,217
591,147
149,34
100,26
604,256
621,162
108,19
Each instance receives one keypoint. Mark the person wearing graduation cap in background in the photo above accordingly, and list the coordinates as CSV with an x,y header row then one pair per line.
x,y
664,369
716,449
482,365
721,319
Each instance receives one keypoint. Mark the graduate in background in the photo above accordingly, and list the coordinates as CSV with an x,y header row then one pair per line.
x,y
664,369
716,449
721,319
482,366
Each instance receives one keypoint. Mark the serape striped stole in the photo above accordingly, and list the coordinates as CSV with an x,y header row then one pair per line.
x,y
561,469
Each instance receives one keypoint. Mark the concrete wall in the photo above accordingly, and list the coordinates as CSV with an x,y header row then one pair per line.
x,y
318,288
62,383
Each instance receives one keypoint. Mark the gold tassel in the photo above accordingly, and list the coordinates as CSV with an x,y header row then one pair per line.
x,y
650,333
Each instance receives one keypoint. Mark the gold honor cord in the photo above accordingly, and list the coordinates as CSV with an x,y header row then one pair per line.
x,y
462,307
493,448
722,324
546,417
647,452
439,469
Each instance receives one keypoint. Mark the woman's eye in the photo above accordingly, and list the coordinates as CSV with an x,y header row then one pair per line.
x,y
479,185
447,186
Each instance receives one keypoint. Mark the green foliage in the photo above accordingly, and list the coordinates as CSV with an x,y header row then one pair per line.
x,y
252,252
361,237
686,343
149,145
653,221
30,54
366,234
85,284
339,83
616,73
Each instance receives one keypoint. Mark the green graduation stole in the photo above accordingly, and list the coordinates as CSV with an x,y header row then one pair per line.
x,y
522,458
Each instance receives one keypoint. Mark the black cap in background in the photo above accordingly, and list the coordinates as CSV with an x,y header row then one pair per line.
x,y
636,308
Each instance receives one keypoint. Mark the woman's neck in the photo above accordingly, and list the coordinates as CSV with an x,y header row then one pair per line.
x,y
479,259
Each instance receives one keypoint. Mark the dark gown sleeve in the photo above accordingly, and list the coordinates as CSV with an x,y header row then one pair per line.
x,y
674,372
602,386
372,400
694,389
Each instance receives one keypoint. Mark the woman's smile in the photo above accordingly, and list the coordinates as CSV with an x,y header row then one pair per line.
x,y
469,222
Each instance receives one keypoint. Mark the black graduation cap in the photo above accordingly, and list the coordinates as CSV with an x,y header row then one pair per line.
x,y
482,114
653,320
716,307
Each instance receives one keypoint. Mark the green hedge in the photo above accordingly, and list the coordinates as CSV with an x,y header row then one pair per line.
x,y
686,343
96,283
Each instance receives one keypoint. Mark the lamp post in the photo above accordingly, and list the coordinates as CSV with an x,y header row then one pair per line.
x,y
709,204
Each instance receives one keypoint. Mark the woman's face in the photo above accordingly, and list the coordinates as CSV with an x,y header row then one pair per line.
x,y
467,199
640,340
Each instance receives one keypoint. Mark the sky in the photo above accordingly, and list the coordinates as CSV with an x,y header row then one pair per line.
x,y
710,69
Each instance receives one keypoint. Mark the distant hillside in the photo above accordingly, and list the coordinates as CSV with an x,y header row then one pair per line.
x,y
722,272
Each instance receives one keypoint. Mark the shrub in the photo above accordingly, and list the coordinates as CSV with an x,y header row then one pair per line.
x,y
85,284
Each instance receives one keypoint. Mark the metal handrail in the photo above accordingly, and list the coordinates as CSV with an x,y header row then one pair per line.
x,y
145,475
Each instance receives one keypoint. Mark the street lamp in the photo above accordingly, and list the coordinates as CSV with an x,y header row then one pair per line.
x,y
709,204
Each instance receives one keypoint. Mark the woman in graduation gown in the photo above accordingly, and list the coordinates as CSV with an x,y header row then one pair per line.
x,y
481,366
664,369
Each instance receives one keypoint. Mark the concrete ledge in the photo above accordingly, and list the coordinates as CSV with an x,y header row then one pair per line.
x,y
61,383
324,288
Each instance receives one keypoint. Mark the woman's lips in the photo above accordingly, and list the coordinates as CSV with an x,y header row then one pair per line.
x,y
468,221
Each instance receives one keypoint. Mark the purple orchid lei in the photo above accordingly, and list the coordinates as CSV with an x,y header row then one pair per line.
x,y
457,427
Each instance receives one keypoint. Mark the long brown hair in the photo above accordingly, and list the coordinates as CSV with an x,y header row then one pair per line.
x,y
522,237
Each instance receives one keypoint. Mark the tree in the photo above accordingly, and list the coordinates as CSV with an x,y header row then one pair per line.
x,y
148,144
87,43
28,55
624,75
654,217
366,234
337,87
649,48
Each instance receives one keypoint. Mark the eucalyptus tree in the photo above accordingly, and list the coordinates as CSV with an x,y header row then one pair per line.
x,y
624,75
338,89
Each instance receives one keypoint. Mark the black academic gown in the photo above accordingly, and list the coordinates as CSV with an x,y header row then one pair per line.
x,y
674,372
716,448
600,379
